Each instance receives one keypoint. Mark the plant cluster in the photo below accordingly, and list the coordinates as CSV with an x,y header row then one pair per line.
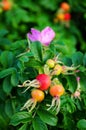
x,y
52,85
42,74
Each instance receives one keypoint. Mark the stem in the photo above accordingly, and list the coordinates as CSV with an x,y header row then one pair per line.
x,y
35,112
56,58
69,73
59,62
58,104
28,42
22,54
72,68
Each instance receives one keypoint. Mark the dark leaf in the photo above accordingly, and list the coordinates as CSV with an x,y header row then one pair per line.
x,y
72,83
7,72
47,117
36,49
81,124
77,58
38,124
7,87
20,117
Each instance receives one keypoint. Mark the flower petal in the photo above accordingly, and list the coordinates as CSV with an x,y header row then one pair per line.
x,y
47,36
35,35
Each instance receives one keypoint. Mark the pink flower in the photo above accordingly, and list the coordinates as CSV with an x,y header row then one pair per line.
x,y
45,36
34,35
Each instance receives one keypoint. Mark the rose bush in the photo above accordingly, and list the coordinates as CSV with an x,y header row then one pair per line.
x,y
20,63
42,74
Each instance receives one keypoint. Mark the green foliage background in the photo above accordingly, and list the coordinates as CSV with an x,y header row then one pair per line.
x,y
16,68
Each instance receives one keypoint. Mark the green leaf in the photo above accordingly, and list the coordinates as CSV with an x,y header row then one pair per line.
x,y
84,60
14,79
72,83
20,117
82,81
7,87
77,58
19,45
81,124
68,104
3,122
38,124
7,72
36,49
47,117
24,58
7,58
48,54
9,108
32,6
23,127
68,122
67,61
3,32
35,64
79,103
2,94
48,5
20,65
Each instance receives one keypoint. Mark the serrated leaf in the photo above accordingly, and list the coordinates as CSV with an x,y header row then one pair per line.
x,y
77,58
81,124
47,117
34,63
9,108
38,124
72,83
23,127
7,72
70,106
67,61
36,49
48,5
79,103
7,87
48,54
19,44
7,58
24,59
20,117
68,122
20,65
14,79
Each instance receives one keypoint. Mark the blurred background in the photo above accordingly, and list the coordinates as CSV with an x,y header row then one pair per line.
x,y
18,16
